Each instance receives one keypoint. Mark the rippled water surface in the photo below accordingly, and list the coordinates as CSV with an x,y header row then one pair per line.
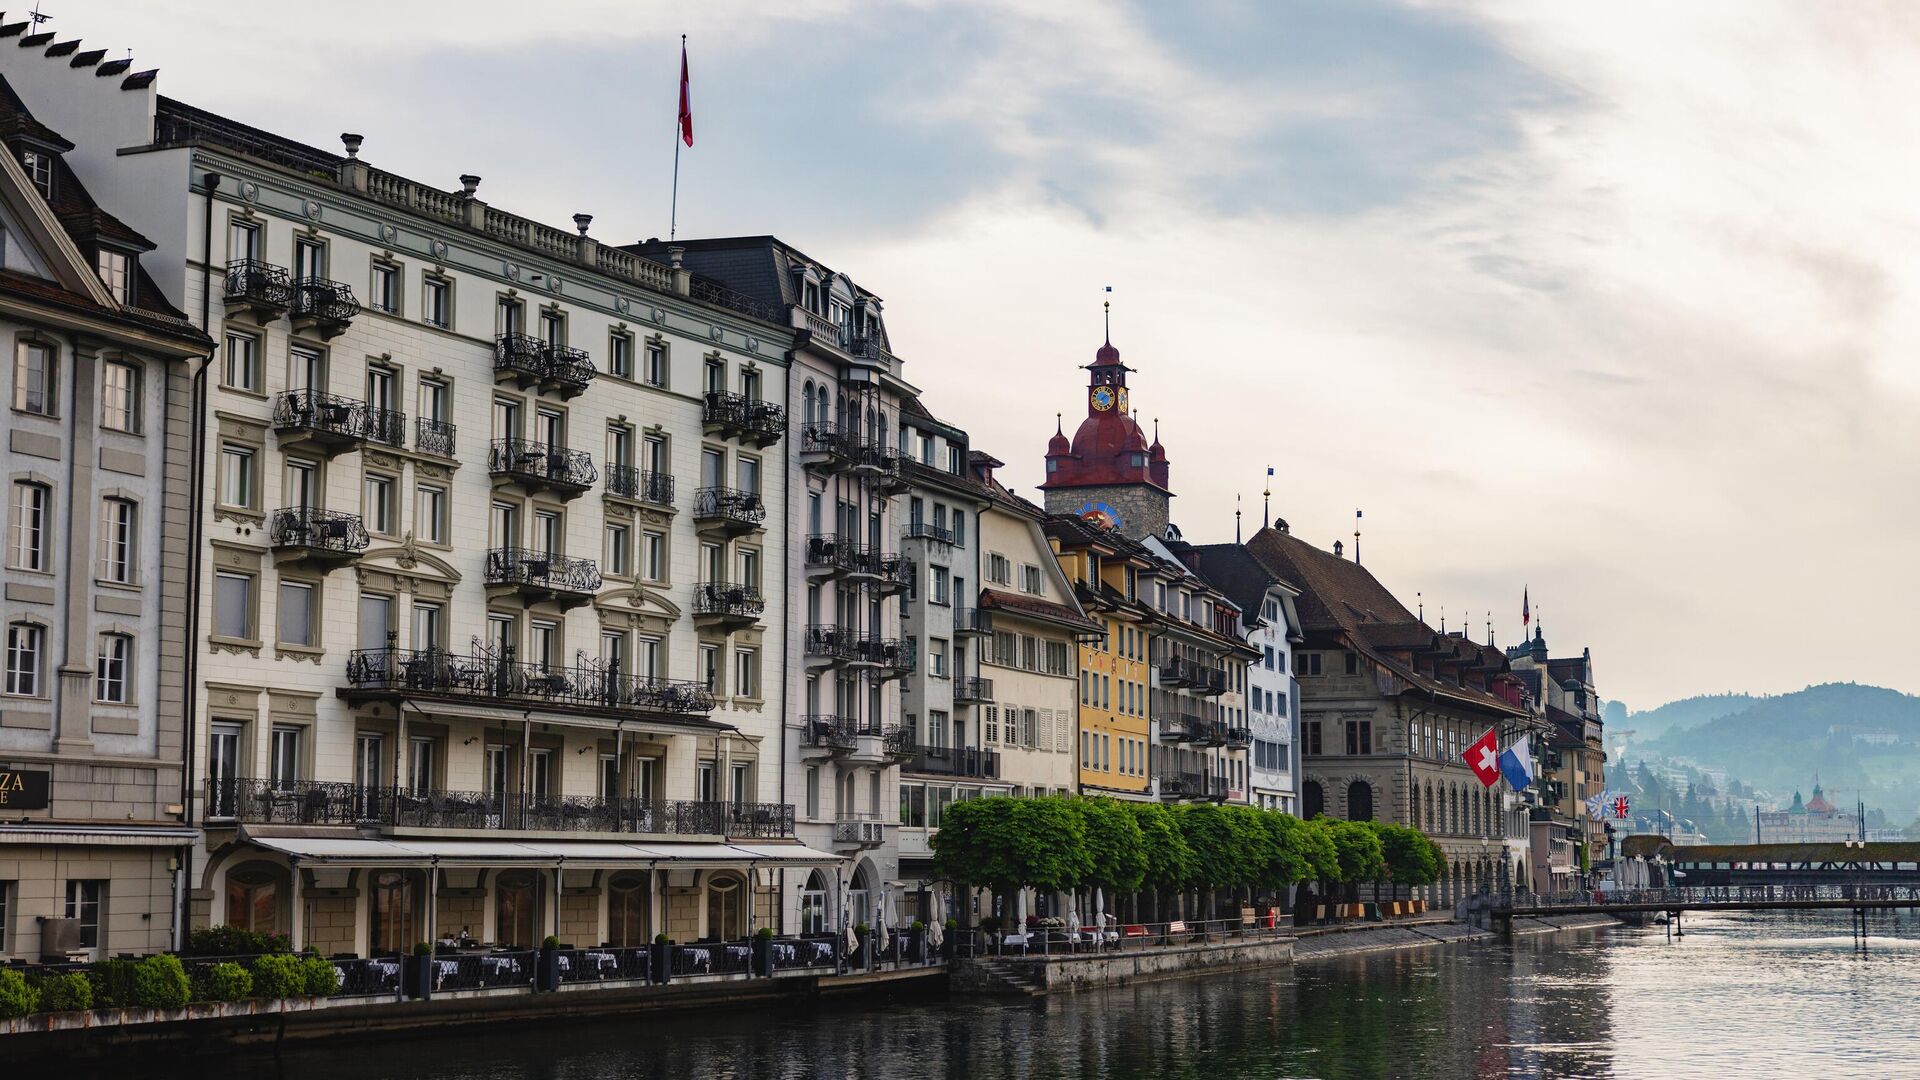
x,y
1738,996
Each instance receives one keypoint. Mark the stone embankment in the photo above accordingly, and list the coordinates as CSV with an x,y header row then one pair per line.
x,y
1320,943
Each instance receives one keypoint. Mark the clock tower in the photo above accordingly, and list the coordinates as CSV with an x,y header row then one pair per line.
x,y
1108,473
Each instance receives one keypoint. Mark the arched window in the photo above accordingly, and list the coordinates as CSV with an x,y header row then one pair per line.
x,y
1313,802
253,897
390,913
516,910
1430,810
629,902
806,402
1473,812
813,906
726,908
1414,814
1359,801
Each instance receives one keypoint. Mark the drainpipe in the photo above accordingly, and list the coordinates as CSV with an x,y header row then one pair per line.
x,y
786,636
195,532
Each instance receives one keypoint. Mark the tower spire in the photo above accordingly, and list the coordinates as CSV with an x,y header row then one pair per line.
x,y
1356,538
1236,519
1106,315
1265,496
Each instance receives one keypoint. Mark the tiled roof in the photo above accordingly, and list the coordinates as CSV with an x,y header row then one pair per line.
x,y
1235,572
1033,606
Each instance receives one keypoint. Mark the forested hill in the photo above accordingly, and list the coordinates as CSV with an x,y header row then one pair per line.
x,y
1685,713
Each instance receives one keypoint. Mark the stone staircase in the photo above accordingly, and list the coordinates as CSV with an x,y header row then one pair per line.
x,y
989,975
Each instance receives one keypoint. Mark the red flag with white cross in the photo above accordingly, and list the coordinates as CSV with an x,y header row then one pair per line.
x,y
1483,756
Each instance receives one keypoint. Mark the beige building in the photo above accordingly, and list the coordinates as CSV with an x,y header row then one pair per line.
x,y
97,463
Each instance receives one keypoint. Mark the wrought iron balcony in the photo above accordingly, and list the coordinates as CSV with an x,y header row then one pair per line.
x,y
433,437
888,571
955,761
325,307
1208,680
1186,785
833,552
333,423
537,465
730,604
313,802
1177,726
880,464
1231,736
823,446
736,416
729,510
262,288
972,691
898,742
531,361
833,643
922,530
542,575
859,831
393,673
830,731
648,487
1175,673
308,532
894,657
972,620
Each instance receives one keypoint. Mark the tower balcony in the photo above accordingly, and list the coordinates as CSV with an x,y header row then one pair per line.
x,y
320,537
726,605
324,307
333,424
261,289
541,576
743,419
728,511
537,466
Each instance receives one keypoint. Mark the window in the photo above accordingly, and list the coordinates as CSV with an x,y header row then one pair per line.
x,y
113,663
436,301
422,750
509,316
750,568
242,368
716,377
937,658
747,469
926,449
296,613
283,759
553,328
1307,664
84,901
27,547
654,373
233,605
956,459
813,791
26,659
750,385
619,550
746,672
710,668
34,387
427,621
1353,663
118,531
237,480
620,354
1359,736
1310,738
430,513
653,555
39,169
379,505
383,291
960,528
309,259
115,273
120,397
940,580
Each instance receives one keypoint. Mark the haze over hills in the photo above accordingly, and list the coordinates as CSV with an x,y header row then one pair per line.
x,y
1863,742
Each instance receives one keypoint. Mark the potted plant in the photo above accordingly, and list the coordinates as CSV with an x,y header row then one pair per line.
x,y
862,952
546,965
662,958
948,945
917,942
762,945
416,971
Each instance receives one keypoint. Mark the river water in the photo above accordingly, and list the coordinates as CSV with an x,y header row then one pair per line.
x,y
1763,995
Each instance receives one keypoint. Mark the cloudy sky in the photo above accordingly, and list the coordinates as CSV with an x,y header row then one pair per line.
x,y
1614,302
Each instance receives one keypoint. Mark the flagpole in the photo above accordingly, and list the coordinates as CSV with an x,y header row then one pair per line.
x,y
673,213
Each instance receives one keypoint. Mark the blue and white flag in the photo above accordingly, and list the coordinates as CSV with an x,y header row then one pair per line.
x,y
1516,764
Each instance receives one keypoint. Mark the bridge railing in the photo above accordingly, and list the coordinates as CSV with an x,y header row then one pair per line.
x,y
1698,896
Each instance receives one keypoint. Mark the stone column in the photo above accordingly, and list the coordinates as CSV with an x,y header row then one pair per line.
x,y
73,730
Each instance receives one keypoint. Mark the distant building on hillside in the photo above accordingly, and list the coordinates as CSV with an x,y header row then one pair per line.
x,y
1813,822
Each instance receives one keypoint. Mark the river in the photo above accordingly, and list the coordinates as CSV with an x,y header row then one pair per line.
x,y
1762,995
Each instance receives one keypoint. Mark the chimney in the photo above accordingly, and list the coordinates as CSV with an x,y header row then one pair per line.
x,y
1338,550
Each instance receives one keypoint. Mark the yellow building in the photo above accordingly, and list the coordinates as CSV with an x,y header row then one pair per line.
x,y
1115,672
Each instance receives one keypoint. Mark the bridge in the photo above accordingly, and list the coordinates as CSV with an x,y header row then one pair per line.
x,y
1850,876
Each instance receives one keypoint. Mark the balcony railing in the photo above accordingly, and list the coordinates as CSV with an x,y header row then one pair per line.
x,y
924,530
831,731
728,600
327,306
955,761
312,802
1186,785
898,742
433,437
731,508
569,371
529,360
542,572
315,532
1174,673
831,641
264,287
647,487
335,421
394,672
1182,726
972,620
737,416
567,472
894,656
972,690
863,831
521,355
887,569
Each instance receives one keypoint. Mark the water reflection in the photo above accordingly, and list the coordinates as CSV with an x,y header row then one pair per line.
x,y
1756,995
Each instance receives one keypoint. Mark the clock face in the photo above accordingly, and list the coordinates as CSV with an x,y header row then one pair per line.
x,y
1099,513
1123,399
1103,398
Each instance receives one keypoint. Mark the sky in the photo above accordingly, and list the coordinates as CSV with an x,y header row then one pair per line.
x,y
1617,304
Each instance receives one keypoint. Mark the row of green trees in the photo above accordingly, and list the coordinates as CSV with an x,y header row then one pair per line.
x,y
1069,843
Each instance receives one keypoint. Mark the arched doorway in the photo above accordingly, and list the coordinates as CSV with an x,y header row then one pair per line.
x,y
726,907
1359,801
813,905
257,894
1313,801
629,909
860,897
393,912
516,908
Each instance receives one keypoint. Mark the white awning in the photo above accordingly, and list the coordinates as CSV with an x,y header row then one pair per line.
x,y
100,836
360,851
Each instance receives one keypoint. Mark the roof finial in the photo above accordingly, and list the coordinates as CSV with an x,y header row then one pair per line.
x,y
1356,538
39,18
1421,599
1443,618
1106,315
1236,518
1058,424
1265,496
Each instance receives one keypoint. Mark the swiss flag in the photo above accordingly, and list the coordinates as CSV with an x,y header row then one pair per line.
x,y
1484,757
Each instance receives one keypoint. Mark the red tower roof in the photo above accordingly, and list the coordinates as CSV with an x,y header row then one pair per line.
x,y
1108,447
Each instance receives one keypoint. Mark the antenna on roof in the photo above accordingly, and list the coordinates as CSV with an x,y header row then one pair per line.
x,y
38,18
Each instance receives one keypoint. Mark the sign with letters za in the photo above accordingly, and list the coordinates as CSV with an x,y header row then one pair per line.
x,y
24,789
